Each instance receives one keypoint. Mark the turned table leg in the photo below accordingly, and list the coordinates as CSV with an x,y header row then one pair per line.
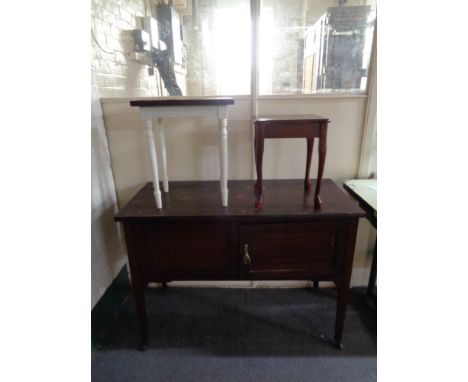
x,y
152,155
321,166
223,160
259,142
162,144
310,147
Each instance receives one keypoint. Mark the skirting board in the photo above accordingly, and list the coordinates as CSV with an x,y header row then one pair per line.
x,y
359,278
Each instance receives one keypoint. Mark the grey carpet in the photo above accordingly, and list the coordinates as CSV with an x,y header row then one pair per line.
x,y
240,335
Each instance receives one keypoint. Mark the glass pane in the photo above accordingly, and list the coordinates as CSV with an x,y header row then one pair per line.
x,y
218,35
310,46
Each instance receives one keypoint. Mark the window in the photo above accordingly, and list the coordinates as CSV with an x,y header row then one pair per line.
x,y
310,46
304,46
218,48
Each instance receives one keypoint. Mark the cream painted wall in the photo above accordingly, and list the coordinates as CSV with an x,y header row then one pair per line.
x,y
107,252
192,149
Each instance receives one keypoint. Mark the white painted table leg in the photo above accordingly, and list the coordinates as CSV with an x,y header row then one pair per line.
x,y
162,143
153,160
223,159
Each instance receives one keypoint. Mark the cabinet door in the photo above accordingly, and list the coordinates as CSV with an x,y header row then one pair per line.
x,y
292,250
187,251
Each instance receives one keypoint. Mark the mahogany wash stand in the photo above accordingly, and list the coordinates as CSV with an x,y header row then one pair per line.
x,y
194,238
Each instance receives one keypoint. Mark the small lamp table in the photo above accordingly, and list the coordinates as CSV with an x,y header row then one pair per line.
x,y
181,107
305,126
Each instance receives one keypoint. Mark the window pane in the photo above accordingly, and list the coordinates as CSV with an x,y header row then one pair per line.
x,y
310,46
218,35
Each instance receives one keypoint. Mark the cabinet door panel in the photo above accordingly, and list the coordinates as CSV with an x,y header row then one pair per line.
x,y
293,250
188,251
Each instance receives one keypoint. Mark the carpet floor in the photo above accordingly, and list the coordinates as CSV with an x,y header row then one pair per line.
x,y
242,335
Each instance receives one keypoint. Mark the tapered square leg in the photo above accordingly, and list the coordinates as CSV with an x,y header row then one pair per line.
x,y
342,302
139,298
343,284
138,283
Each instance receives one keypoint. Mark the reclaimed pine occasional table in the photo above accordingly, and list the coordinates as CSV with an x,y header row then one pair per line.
x,y
305,126
194,238
181,107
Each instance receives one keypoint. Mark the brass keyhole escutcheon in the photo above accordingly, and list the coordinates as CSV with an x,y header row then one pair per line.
x,y
246,258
